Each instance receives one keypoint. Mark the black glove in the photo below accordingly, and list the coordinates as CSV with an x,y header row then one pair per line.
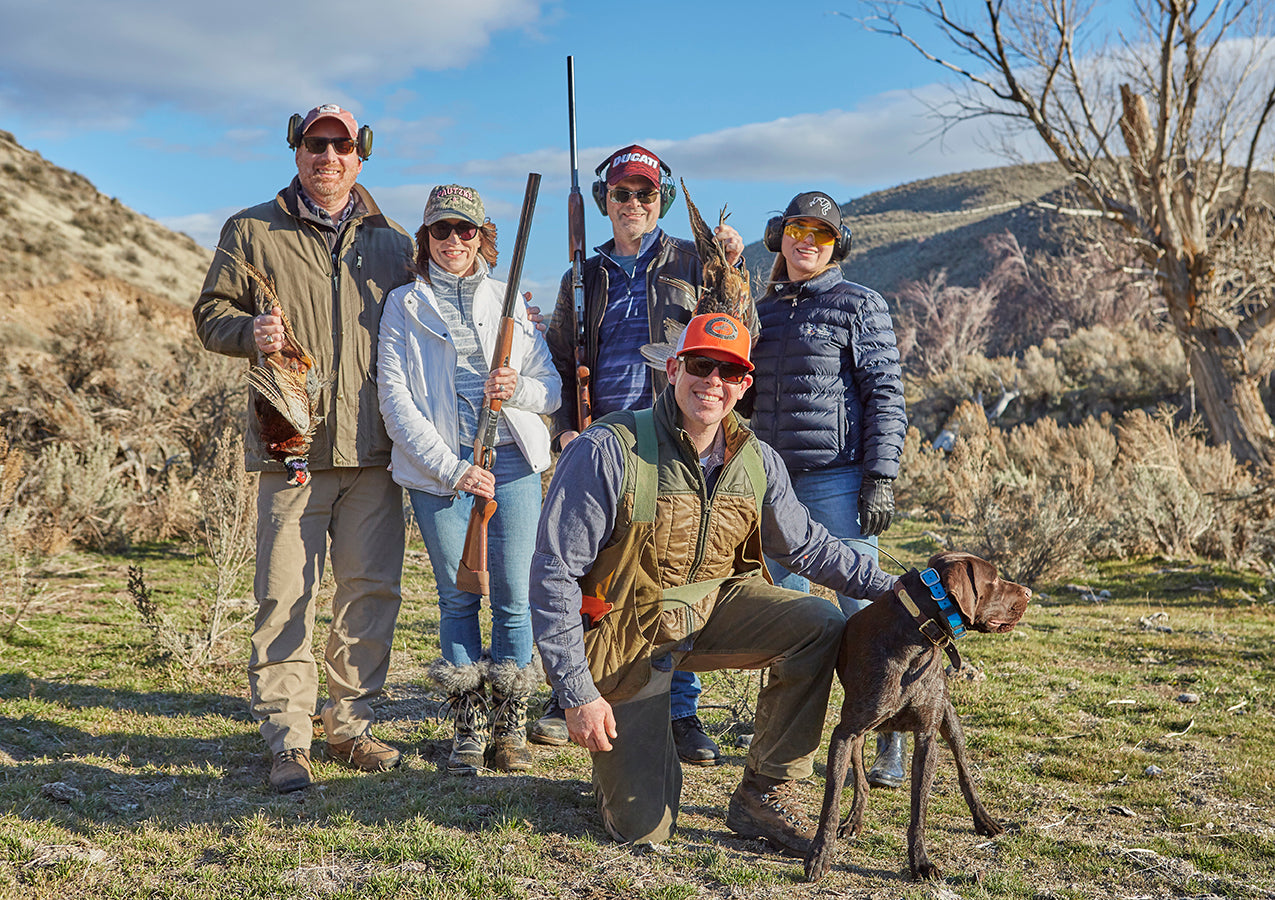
x,y
876,505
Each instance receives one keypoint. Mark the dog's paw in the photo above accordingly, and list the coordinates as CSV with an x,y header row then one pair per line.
x,y
818,860
927,871
988,827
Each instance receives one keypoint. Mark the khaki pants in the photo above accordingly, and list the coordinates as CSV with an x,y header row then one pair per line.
x,y
360,512
638,783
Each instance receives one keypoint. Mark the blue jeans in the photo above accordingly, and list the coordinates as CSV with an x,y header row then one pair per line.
x,y
511,537
684,694
832,496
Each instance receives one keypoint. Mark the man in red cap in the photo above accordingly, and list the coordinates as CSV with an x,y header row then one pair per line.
x,y
638,280
333,257
649,557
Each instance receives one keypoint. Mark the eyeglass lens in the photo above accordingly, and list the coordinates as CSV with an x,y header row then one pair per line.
x,y
703,366
441,231
620,195
316,145
822,236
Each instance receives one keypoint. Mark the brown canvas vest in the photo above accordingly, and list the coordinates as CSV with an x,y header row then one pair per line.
x,y
673,548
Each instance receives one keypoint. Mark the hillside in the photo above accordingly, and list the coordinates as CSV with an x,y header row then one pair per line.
x,y
903,232
62,242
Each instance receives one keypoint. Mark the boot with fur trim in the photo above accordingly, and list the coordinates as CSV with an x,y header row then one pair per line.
x,y
467,706
511,687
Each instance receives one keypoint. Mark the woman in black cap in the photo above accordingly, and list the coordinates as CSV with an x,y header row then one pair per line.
x,y
828,394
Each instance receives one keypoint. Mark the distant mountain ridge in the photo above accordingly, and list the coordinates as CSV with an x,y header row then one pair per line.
x,y
63,240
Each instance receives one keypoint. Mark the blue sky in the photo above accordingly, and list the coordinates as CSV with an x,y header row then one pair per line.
x,y
179,110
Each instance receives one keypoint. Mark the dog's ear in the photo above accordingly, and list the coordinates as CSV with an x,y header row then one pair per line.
x,y
965,577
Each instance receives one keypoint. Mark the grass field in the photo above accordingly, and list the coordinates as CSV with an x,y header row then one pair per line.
x,y
1125,740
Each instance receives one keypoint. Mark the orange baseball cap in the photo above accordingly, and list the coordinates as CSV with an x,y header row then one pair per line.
x,y
719,332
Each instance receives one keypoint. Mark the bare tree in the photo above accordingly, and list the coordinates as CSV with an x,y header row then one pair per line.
x,y
1165,131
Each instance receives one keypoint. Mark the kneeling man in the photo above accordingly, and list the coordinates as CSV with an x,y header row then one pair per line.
x,y
649,558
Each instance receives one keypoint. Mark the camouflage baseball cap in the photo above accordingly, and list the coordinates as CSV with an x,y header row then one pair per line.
x,y
454,201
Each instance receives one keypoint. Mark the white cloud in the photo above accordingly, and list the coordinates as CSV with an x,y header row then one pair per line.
x,y
106,63
204,227
889,139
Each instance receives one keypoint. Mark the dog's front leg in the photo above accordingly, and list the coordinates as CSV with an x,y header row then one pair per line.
x,y
955,737
852,825
924,762
841,750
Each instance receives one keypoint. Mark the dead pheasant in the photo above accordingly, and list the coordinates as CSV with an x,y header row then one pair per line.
x,y
287,386
724,290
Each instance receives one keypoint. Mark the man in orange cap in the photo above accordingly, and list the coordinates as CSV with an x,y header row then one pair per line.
x,y
649,557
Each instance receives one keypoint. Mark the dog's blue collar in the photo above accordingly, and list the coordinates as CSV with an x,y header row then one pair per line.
x,y
951,615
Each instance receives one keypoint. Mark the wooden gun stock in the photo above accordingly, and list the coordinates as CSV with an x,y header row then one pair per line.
x,y
472,574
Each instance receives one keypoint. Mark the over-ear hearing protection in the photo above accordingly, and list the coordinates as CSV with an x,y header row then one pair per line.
x,y
773,238
668,189
362,144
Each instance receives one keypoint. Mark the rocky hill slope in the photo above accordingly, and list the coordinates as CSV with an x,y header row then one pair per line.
x,y
63,243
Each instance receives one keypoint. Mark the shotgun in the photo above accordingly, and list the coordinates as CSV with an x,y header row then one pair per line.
x,y
471,574
575,234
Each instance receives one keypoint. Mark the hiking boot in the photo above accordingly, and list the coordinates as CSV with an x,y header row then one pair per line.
x,y
511,688
291,771
466,705
694,746
365,753
469,740
551,728
508,751
887,769
769,809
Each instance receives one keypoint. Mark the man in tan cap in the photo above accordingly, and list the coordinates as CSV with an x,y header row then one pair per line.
x,y
333,257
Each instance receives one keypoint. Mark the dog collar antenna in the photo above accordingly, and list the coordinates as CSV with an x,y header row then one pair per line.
x,y
942,632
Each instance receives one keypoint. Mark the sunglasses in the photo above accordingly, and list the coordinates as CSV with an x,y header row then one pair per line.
x,y
822,236
317,145
441,231
703,366
620,195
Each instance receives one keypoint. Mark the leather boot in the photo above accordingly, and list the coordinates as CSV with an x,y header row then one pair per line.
x,y
771,810
511,687
887,769
466,705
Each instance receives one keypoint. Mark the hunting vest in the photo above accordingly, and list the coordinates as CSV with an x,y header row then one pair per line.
x,y
673,547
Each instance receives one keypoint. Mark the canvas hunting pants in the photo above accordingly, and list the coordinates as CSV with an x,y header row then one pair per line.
x,y
638,783
356,515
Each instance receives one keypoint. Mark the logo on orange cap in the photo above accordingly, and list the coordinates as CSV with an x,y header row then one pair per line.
x,y
718,332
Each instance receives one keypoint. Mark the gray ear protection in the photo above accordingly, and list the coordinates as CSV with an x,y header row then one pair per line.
x,y
362,144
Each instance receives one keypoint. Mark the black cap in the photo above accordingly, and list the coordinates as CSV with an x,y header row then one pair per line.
x,y
815,205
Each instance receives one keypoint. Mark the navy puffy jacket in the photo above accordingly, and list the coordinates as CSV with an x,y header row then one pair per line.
x,y
828,389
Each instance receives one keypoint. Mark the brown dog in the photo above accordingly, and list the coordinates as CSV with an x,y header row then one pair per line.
x,y
894,680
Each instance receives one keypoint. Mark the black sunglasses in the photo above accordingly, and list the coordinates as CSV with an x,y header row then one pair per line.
x,y
317,145
703,366
441,231
620,195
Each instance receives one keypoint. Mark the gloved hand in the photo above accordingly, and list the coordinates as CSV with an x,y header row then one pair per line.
x,y
876,505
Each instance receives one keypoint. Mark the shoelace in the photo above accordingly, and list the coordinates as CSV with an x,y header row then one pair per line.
x,y
292,755
465,708
777,799
505,718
